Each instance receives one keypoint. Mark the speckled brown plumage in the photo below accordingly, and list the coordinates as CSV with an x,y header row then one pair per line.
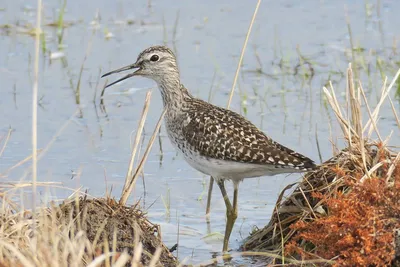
x,y
223,134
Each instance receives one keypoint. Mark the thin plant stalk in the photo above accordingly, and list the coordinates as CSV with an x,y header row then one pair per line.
x,y
34,103
242,54
137,138
132,179
78,86
155,258
211,184
6,141
385,93
394,112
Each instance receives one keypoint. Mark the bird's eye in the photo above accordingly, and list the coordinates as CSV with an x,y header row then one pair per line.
x,y
154,58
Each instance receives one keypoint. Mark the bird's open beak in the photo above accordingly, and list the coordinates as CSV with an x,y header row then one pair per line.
x,y
129,67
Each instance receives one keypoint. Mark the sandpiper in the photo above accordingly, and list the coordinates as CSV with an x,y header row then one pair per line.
x,y
213,140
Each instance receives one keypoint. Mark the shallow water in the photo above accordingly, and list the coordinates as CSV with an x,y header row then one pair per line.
x,y
92,149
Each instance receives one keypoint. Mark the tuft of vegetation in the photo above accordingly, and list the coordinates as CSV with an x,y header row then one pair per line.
x,y
81,232
347,211
359,229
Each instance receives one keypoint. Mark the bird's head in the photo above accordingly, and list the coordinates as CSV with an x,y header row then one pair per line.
x,y
156,63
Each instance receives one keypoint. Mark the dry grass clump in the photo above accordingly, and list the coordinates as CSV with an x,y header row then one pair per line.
x,y
347,211
81,232
360,223
123,227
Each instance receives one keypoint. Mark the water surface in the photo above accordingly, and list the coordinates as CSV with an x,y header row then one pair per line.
x,y
93,149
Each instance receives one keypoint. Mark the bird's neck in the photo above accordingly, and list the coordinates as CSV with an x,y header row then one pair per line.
x,y
173,93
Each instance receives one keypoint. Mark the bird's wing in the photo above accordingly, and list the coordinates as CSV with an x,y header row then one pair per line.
x,y
223,134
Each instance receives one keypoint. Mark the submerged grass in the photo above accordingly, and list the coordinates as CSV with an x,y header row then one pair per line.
x,y
60,23
347,211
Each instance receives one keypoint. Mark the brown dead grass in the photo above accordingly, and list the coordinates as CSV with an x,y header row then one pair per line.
x,y
359,227
82,232
121,226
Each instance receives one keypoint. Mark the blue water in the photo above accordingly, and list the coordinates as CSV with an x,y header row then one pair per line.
x,y
92,151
